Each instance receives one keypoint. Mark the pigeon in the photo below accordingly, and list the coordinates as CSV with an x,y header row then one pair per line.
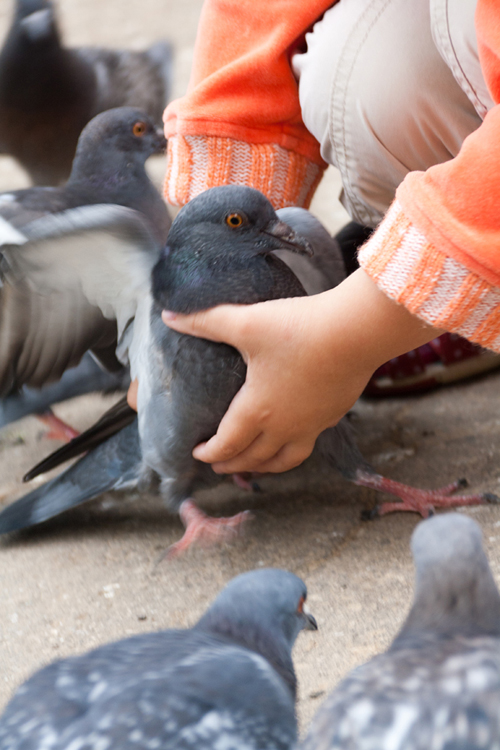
x,y
48,93
228,682
108,169
87,377
438,685
222,247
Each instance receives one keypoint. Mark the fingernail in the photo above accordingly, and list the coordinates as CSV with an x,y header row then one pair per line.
x,y
168,315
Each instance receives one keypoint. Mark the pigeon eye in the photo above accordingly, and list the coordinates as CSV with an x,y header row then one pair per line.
x,y
234,220
139,129
300,606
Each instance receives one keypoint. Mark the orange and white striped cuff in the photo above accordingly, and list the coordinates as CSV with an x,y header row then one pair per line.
x,y
196,163
429,283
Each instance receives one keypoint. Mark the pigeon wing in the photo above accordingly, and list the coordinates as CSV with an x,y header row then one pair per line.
x,y
71,282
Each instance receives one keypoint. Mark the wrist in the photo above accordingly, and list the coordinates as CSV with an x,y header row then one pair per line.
x,y
374,327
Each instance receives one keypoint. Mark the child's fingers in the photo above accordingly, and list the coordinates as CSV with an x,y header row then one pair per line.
x,y
217,324
237,431
288,457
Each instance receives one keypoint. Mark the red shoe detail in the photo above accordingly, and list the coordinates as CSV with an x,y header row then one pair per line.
x,y
446,359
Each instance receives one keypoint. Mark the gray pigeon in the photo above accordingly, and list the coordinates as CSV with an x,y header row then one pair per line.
x,y
221,248
53,238
87,377
438,685
228,683
48,92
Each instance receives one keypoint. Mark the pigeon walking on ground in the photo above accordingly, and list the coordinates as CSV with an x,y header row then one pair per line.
x,y
87,377
438,685
228,682
221,248
48,93
108,169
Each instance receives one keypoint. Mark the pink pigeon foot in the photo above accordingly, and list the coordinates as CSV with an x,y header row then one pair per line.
x,y
59,430
203,528
416,500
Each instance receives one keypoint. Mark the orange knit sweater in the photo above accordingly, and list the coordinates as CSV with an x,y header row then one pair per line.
x,y
437,250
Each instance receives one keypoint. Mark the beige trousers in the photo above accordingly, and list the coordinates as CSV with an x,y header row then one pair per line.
x,y
388,87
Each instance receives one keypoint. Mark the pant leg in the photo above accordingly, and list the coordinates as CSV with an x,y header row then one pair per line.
x,y
380,98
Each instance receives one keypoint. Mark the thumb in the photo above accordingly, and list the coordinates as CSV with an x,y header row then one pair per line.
x,y
220,323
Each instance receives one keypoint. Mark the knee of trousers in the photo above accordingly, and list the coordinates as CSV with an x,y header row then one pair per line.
x,y
380,98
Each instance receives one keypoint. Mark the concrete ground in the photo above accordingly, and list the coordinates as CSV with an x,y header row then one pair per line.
x,y
90,575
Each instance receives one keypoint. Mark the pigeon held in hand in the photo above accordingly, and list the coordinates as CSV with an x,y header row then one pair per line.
x,y
228,682
438,685
48,93
221,248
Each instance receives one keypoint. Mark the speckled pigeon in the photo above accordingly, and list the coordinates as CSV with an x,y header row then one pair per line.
x,y
228,683
438,685
221,248
48,92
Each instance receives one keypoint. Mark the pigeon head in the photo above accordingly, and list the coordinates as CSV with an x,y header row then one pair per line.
x,y
455,592
26,8
263,610
114,145
220,249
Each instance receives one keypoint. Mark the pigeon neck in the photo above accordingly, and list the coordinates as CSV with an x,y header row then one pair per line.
x,y
271,645
461,602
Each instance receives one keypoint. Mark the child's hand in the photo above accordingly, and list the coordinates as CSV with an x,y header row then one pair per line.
x,y
308,358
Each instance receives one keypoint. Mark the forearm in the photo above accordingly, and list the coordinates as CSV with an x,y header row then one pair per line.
x,y
375,328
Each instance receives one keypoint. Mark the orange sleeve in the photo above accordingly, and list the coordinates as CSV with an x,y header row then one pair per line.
x,y
438,249
240,119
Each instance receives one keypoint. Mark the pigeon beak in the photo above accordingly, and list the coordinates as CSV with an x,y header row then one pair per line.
x,y
160,142
288,239
310,621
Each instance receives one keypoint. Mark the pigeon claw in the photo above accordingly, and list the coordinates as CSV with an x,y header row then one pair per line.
x,y
416,500
202,529
59,430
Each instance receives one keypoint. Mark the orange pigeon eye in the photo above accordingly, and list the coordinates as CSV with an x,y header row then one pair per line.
x,y
139,129
234,220
300,606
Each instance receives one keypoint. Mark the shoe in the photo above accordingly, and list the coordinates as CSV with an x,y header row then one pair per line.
x,y
443,360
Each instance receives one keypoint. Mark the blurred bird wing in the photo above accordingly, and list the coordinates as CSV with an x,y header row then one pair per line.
x,y
73,285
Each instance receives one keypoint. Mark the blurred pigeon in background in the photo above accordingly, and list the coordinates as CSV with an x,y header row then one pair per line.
x,y
228,682
109,168
87,377
438,685
221,248
48,93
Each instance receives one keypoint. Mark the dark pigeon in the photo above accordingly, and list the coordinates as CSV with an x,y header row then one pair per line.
x,y
227,683
438,685
221,248
48,93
